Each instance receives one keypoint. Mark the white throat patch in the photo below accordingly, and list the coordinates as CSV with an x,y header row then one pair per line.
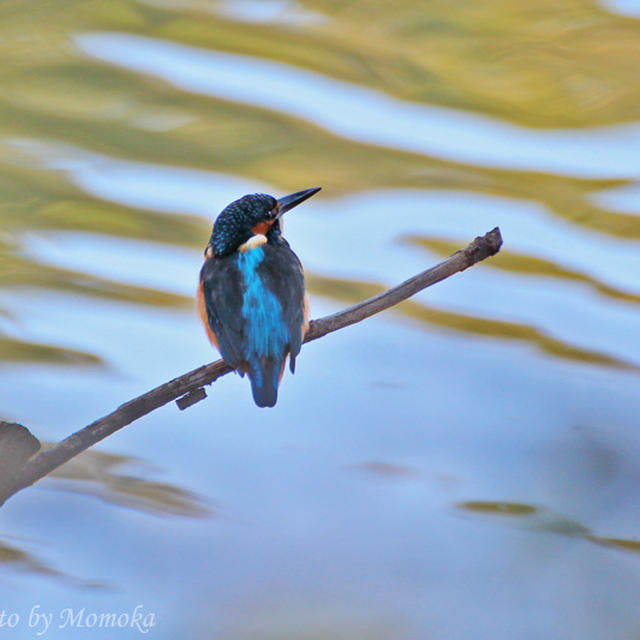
x,y
253,242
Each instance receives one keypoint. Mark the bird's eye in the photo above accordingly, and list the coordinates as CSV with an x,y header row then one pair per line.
x,y
275,211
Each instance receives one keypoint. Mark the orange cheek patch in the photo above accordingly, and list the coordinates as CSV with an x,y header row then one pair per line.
x,y
262,228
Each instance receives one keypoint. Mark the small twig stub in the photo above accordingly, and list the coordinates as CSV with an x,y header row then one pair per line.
x,y
191,398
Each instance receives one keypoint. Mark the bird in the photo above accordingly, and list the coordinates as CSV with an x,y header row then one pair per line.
x,y
251,297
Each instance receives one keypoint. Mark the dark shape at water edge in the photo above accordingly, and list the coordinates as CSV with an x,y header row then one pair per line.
x,y
17,445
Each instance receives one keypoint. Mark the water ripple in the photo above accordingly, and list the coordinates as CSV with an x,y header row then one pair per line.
x,y
366,115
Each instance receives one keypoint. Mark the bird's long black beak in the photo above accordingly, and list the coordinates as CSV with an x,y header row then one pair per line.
x,y
294,199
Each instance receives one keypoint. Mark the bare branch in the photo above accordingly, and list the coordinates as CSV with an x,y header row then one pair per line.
x,y
188,387
481,248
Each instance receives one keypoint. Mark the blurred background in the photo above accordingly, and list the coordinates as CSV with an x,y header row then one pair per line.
x,y
464,466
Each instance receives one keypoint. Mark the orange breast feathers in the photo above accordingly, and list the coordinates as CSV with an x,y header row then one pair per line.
x,y
202,311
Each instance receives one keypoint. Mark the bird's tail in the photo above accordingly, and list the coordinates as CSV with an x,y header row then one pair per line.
x,y
265,376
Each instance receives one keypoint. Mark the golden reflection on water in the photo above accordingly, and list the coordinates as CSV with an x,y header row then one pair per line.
x,y
540,518
528,265
97,473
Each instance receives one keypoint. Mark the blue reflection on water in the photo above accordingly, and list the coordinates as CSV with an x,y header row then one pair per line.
x,y
369,116
268,11
624,199
623,7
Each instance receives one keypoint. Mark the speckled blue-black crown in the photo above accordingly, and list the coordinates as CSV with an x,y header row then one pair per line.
x,y
235,223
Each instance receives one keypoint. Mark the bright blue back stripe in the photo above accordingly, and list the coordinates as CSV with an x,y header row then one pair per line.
x,y
266,333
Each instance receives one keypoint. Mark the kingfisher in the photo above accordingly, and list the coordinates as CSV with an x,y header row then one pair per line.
x,y
251,297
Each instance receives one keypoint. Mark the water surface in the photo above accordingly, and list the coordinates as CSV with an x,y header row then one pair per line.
x,y
462,466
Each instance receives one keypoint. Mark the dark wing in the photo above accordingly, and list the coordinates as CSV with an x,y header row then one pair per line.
x,y
282,273
223,288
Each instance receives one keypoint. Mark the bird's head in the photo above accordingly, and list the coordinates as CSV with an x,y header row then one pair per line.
x,y
255,214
